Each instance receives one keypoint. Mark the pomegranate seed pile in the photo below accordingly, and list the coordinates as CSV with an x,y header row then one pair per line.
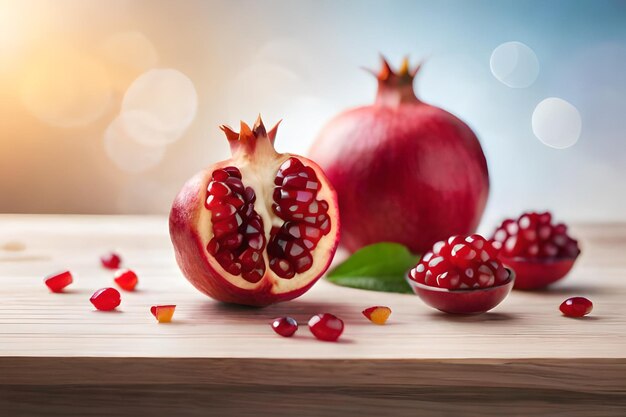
x,y
533,235
239,241
461,262
306,219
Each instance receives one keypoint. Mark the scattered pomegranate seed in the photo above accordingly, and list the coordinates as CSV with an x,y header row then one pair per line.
x,y
56,282
111,260
106,299
126,279
284,326
377,314
163,313
576,307
326,327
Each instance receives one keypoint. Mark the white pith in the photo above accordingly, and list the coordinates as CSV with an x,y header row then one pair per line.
x,y
259,174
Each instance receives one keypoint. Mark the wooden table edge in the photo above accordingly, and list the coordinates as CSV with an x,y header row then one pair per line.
x,y
591,375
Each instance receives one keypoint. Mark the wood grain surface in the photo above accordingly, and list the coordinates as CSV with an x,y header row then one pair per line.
x,y
60,357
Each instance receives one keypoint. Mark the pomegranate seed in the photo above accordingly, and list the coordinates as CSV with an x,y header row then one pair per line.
x,y
282,268
232,241
163,313
254,275
303,263
218,189
106,299
227,226
377,314
111,260
576,307
233,172
288,167
249,258
326,327
213,246
223,211
57,282
234,268
212,202
235,201
220,175
126,279
249,195
449,280
284,326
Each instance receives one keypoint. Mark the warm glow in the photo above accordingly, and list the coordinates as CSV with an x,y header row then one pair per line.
x,y
66,88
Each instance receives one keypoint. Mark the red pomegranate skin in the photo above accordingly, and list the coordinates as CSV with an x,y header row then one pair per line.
x,y
404,171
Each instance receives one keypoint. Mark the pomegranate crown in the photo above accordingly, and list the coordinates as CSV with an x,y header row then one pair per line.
x,y
396,87
248,139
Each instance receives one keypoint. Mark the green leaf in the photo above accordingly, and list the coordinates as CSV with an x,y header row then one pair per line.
x,y
377,267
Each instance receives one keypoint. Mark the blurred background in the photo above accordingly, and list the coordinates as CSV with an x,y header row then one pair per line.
x,y
108,107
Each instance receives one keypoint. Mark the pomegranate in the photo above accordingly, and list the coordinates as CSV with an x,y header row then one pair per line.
x,y
405,171
258,228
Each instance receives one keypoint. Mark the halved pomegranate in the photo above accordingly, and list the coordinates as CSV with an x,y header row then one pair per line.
x,y
258,228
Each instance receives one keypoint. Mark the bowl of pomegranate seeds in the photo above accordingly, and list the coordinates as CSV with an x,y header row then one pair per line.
x,y
539,251
462,275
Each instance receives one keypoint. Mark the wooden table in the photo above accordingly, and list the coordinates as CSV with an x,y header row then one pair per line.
x,y
60,357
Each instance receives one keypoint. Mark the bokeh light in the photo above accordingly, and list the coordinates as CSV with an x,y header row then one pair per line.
x,y
288,53
168,95
514,64
556,123
128,54
125,152
262,88
146,129
65,88
302,121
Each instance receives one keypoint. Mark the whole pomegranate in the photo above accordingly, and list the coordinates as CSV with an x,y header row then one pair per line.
x,y
404,171
258,228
